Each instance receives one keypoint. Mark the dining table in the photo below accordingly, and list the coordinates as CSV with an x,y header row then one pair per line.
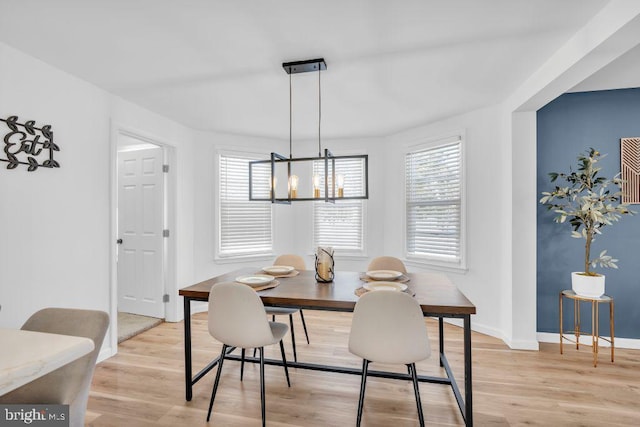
x,y
28,355
437,295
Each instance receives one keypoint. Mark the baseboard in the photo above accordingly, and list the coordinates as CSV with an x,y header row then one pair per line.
x,y
629,343
105,353
493,332
523,344
199,307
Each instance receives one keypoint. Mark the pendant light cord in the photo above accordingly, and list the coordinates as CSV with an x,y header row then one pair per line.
x,y
290,115
319,112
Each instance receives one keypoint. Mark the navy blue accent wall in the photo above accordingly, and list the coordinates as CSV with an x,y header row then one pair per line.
x,y
568,126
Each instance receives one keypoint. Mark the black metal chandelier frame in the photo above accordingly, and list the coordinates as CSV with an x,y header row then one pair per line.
x,y
327,157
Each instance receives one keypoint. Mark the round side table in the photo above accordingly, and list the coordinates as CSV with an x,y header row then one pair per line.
x,y
595,336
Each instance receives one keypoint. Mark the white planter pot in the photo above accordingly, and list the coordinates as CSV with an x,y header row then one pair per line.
x,y
587,286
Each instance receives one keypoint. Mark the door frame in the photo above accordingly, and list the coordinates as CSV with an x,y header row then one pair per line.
x,y
169,249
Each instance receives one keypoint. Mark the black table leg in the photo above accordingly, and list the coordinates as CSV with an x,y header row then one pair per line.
x,y
187,348
441,338
468,417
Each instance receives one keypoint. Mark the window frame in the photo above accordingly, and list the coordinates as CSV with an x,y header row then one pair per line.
x,y
434,261
222,256
347,253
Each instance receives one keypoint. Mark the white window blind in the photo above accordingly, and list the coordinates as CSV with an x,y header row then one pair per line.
x,y
245,226
341,224
434,199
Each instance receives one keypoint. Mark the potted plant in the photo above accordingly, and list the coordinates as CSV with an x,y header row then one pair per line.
x,y
589,202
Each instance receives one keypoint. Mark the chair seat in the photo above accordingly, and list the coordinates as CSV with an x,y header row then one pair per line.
x,y
281,310
278,330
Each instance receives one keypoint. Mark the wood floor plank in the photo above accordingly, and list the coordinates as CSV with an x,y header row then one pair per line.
x,y
143,384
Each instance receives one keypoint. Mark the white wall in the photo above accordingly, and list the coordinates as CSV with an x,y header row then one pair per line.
x,y
54,247
484,170
57,241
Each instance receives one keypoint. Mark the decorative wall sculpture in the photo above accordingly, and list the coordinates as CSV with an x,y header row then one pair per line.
x,y
25,144
630,167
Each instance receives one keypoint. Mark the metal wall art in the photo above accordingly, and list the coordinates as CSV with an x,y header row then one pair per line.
x,y
630,167
26,144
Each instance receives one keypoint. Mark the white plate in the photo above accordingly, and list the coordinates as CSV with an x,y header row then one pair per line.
x,y
278,269
384,274
255,279
385,286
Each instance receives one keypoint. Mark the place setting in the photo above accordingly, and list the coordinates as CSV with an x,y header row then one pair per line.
x,y
383,280
279,271
258,282
384,275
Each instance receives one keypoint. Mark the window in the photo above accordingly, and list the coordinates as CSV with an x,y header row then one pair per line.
x,y
341,224
245,227
434,203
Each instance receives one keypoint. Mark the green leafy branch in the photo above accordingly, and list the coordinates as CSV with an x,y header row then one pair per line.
x,y
588,204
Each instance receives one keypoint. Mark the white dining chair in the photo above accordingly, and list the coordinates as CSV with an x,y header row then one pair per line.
x,y
296,262
69,384
389,327
237,319
387,263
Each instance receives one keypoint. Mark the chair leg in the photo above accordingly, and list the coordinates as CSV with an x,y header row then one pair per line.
x,y
293,338
241,363
304,325
273,318
363,384
284,362
262,394
215,383
416,389
254,352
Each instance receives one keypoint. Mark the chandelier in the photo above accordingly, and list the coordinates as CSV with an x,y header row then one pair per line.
x,y
328,177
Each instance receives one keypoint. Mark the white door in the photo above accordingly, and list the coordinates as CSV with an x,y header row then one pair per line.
x,y
140,225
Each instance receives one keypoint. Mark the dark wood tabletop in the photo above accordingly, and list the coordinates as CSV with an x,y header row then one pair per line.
x,y
435,292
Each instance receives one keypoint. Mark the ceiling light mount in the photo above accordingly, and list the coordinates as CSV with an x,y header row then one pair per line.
x,y
305,66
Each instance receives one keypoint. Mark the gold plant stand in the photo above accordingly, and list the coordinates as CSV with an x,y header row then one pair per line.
x,y
595,337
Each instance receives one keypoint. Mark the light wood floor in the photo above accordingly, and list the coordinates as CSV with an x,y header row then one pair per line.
x,y
143,384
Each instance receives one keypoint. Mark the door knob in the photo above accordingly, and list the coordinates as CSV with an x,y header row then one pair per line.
x,y
119,241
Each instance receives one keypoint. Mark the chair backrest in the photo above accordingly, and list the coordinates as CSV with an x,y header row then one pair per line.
x,y
387,263
295,261
389,327
69,384
237,316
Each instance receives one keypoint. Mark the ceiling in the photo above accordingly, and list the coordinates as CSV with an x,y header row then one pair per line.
x,y
216,65
622,73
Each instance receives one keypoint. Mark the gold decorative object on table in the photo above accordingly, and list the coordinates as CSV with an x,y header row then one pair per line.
x,y
595,335
324,264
